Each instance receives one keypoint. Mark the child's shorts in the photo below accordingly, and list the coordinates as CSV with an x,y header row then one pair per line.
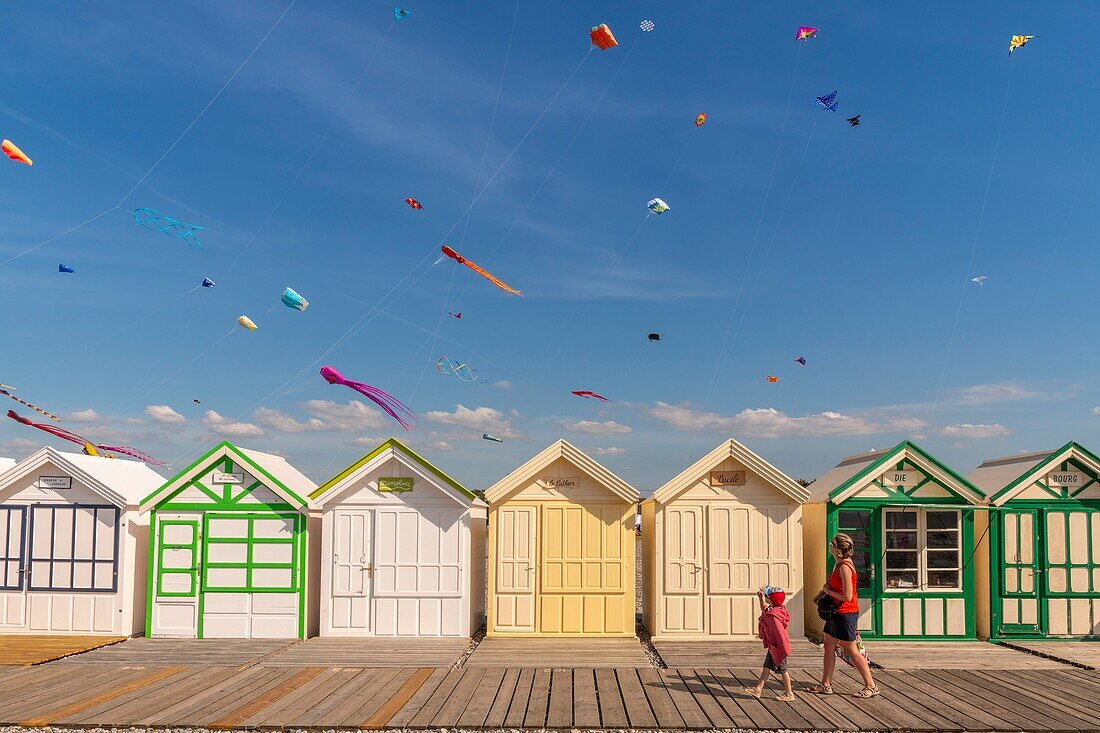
x,y
769,664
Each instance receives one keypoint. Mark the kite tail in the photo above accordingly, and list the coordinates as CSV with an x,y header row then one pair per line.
x,y
133,453
389,404
491,278
54,431
39,410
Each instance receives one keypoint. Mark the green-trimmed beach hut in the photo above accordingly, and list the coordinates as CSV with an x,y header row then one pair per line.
x,y
228,548
916,525
1044,543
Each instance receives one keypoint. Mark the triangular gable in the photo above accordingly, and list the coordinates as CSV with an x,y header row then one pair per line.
x,y
394,449
562,449
107,481
743,456
252,462
1069,452
905,452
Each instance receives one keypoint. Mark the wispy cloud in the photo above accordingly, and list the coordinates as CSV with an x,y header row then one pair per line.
x,y
771,423
84,416
590,427
164,414
486,419
324,415
608,451
987,394
968,430
218,424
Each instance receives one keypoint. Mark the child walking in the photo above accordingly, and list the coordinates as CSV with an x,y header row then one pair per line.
x,y
772,627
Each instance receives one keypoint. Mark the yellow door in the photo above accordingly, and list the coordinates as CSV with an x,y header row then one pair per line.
x,y
583,566
514,586
683,572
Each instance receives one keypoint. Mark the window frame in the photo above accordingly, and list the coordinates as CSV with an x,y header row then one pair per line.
x,y
51,560
250,542
20,559
195,562
922,549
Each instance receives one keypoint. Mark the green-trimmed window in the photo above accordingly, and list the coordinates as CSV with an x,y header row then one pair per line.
x,y
856,523
177,553
251,553
923,549
1073,551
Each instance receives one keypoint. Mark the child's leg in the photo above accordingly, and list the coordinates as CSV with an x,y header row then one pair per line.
x,y
764,674
787,682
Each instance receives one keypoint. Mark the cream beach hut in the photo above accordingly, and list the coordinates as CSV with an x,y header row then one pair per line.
x,y
916,526
561,548
711,537
403,548
228,548
1044,543
73,544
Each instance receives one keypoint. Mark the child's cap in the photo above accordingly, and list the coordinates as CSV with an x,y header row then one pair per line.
x,y
775,594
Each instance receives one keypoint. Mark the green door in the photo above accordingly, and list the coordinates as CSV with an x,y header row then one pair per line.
x,y
862,526
1021,610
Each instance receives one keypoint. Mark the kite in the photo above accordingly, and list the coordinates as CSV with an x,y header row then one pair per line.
x,y
207,282
828,102
589,395
701,119
980,279
449,368
801,360
5,391
854,121
90,448
657,206
490,436
390,404
292,300
772,379
654,337
602,37
805,33
12,150
646,25
463,261
400,14
247,323
153,219
65,268
455,315
414,204
1013,44
196,402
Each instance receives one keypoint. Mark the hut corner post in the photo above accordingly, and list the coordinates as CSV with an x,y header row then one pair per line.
x,y
814,544
650,569
981,566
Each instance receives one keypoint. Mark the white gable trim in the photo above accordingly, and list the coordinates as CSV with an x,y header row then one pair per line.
x,y
732,449
43,456
562,449
391,453
928,467
1041,469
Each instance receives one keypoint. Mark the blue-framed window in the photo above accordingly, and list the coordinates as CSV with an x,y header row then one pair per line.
x,y
74,547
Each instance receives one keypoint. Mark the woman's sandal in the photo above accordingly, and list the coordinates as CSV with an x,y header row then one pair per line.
x,y
867,692
821,689
753,691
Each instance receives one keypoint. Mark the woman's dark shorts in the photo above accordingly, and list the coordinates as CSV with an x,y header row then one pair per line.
x,y
842,626
769,664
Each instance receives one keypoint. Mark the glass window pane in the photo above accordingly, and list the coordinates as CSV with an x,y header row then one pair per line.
x,y
901,560
943,579
943,520
906,579
943,539
849,520
901,540
901,520
943,559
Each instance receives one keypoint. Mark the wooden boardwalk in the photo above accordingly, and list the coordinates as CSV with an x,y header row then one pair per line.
x,y
1085,654
225,697
370,652
804,654
145,651
21,650
953,655
496,651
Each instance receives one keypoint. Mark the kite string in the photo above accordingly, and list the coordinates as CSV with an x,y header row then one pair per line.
x,y
190,361
973,247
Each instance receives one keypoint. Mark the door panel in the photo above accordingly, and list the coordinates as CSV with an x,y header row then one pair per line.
x,y
12,546
683,570
352,570
514,591
1019,572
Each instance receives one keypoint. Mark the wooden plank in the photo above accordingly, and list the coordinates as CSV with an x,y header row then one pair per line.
x,y
813,708
70,688
427,690
844,705
586,710
637,705
24,650
847,682
759,717
199,699
348,684
726,708
517,711
252,685
949,717
781,710
495,717
90,702
256,704
456,702
550,653
292,705
664,709
428,710
1044,697
539,700
153,695
391,683
365,695
684,702
974,717
610,699
560,710
1020,715
482,698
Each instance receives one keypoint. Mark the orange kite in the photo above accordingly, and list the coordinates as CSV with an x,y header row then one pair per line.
x,y
12,151
495,281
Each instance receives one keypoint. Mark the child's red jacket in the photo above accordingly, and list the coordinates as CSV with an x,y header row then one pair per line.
x,y
773,632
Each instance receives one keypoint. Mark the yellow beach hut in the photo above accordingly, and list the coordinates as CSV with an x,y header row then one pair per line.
x,y
561,548
711,537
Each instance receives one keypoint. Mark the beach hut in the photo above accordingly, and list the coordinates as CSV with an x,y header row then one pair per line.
x,y
916,525
73,544
228,548
561,548
1044,542
403,548
714,534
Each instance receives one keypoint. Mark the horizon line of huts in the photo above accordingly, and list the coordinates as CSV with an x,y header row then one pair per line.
x,y
240,544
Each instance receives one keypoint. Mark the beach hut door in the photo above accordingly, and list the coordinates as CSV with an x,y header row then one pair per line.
x,y
1020,580
684,568
12,565
353,568
514,596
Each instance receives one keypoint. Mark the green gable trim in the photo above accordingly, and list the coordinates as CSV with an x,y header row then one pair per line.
x,y
892,456
396,445
1042,467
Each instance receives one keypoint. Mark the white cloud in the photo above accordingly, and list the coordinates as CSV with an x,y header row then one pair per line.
x,y
608,451
439,445
1096,411
280,421
591,427
364,441
771,423
984,394
503,384
485,419
19,445
355,415
165,414
968,430
225,426
88,415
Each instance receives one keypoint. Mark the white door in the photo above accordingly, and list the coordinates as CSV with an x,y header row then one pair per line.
x,y
352,569
13,600
683,571
514,594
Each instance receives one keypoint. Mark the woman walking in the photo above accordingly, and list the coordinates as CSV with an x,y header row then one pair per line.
x,y
840,628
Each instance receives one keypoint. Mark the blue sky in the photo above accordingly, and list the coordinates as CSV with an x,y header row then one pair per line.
x,y
854,252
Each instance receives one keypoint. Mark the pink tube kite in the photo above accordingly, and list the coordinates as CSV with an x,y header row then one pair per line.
x,y
389,404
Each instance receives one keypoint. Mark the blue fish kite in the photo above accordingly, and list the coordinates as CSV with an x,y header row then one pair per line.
x,y
400,14
291,299
489,436
828,102
153,219
207,282
65,268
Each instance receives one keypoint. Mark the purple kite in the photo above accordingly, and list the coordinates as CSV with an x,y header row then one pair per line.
x,y
390,404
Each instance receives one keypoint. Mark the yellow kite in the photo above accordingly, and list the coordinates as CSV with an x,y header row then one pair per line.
x,y
1017,42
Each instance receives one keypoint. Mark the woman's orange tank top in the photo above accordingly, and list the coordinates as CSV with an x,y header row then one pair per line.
x,y
836,584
